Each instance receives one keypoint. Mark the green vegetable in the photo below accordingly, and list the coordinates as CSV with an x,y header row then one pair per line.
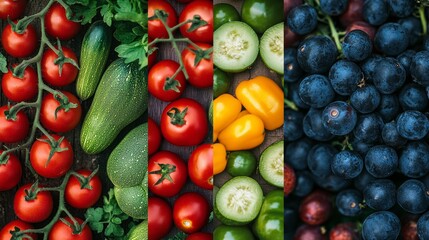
x,y
120,98
139,232
223,13
271,164
241,163
262,14
269,224
3,64
221,82
223,232
93,58
127,169
271,48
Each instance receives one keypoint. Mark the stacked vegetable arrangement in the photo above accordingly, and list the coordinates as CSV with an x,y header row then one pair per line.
x,y
179,82
356,121
247,119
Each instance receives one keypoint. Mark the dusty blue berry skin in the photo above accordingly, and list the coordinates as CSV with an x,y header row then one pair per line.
x,y
389,107
412,196
333,7
316,91
363,180
405,60
381,225
414,28
349,202
423,226
412,125
391,136
391,39
292,127
426,43
389,75
317,54
380,194
292,70
296,153
368,67
357,46
302,20
365,99
333,183
401,8
381,161
414,160
368,128
304,184
375,12
345,77
294,95
413,97
420,67
313,126
319,159
347,164
339,118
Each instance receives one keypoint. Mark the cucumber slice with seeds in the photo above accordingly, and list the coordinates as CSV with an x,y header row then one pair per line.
x,y
271,164
271,48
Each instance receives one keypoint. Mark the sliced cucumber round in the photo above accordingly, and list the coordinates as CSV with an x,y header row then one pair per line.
x,y
271,164
271,48
239,200
235,46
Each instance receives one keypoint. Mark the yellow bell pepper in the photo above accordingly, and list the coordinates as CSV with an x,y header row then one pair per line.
x,y
244,133
225,110
242,113
264,98
219,160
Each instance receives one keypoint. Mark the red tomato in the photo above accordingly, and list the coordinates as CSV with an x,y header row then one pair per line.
x,y
152,56
35,210
184,122
204,9
19,45
62,231
200,236
12,9
162,166
17,89
10,172
57,24
200,166
59,163
5,231
13,130
155,137
191,212
200,75
161,85
156,28
85,197
160,218
50,71
63,120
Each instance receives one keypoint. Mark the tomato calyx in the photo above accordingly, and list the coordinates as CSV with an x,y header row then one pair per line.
x,y
171,84
159,14
31,193
177,117
201,54
196,23
74,226
165,171
17,234
11,113
62,59
4,158
64,102
19,27
55,147
85,181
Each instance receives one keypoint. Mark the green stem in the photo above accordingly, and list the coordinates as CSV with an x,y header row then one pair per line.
x,y
334,33
423,19
291,105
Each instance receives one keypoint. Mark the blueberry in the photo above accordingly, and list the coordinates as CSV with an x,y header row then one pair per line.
x,y
293,71
375,12
345,77
316,54
413,197
333,7
339,118
347,164
391,136
414,160
401,8
304,184
294,95
423,226
296,153
292,127
405,60
420,67
291,217
381,225
391,39
389,75
332,183
368,128
349,202
313,126
365,99
380,194
414,28
316,91
357,46
361,147
381,161
413,97
362,180
302,19
389,107
319,160
412,125
426,43
368,67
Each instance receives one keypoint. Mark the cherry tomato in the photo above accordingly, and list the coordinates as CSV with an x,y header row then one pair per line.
x,y
204,9
167,174
59,163
86,196
200,75
19,45
13,130
160,218
5,231
50,71
62,231
191,212
58,25
161,85
17,89
200,166
184,122
12,9
155,137
35,210
200,236
10,172
63,120
156,28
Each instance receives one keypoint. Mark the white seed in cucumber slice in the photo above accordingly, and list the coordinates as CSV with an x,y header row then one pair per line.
x,y
271,164
236,46
239,199
271,48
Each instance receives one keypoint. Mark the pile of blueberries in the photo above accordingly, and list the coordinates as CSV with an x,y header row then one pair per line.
x,y
356,122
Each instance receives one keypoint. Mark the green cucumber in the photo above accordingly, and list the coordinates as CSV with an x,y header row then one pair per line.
x,y
93,58
271,164
271,48
120,98
140,232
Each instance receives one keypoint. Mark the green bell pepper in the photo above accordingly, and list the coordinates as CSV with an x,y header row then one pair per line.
x,y
269,224
224,232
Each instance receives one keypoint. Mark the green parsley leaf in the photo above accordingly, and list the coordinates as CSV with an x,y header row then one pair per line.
x,y
132,52
3,64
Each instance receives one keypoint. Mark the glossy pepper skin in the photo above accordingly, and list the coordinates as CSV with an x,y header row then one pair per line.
x,y
225,110
264,98
223,232
244,133
269,223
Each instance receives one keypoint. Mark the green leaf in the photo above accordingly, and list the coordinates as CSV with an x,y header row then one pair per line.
x,y
108,208
123,33
3,64
124,6
94,214
96,226
84,13
82,2
107,13
132,52
109,230
116,220
118,231
179,236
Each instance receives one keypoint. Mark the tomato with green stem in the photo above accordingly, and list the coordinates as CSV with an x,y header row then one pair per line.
x,y
201,27
11,226
58,25
13,129
200,166
223,13
19,45
67,229
31,205
199,64
10,172
162,83
20,89
155,27
262,14
160,218
51,71
191,212
83,192
12,9
155,138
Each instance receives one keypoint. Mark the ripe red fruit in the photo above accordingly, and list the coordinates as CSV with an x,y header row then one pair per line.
x,y
361,25
409,228
344,231
353,13
306,232
289,179
316,208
